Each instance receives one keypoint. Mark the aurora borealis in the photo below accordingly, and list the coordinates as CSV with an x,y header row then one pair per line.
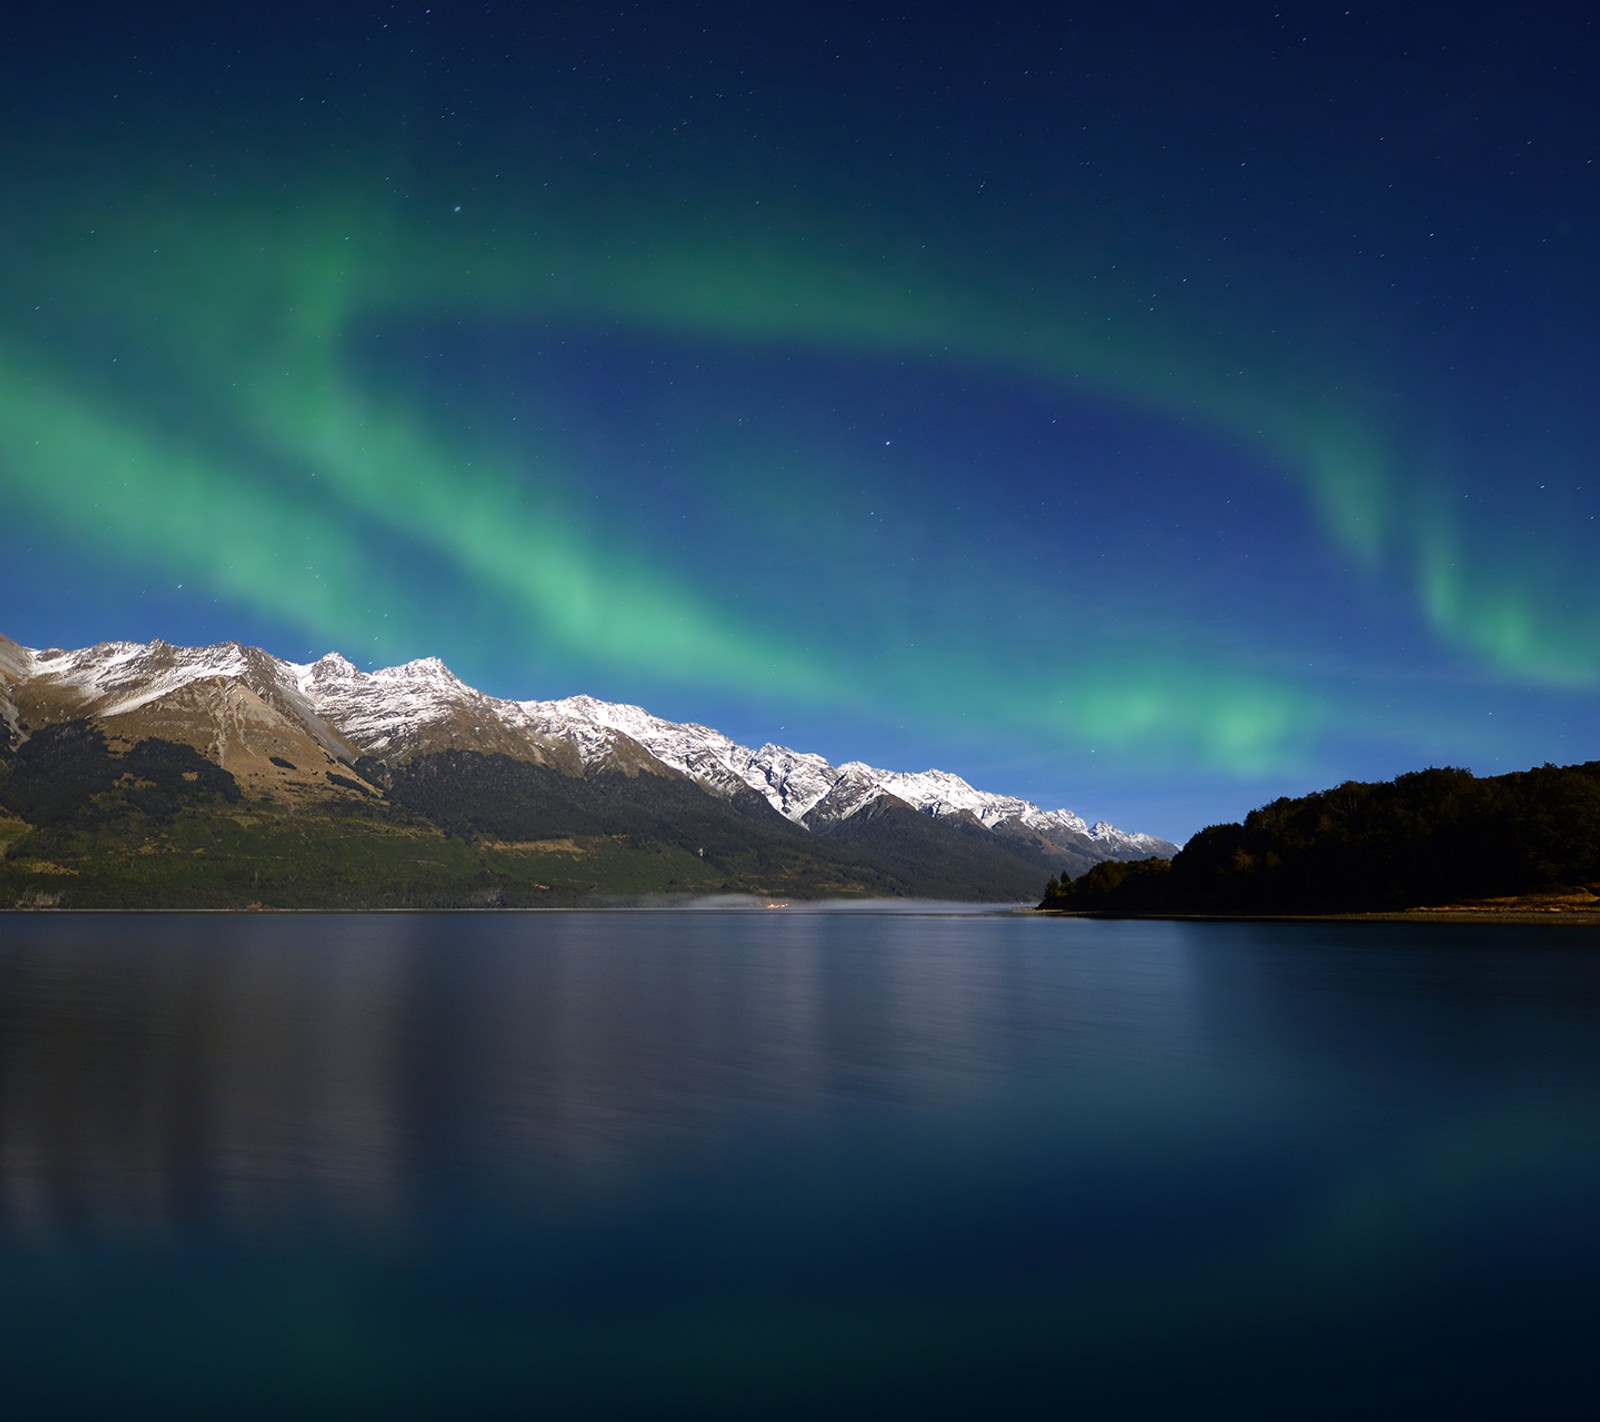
x,y
1144,413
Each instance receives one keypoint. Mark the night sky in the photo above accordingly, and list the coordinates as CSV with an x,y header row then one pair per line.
x,y
1150,410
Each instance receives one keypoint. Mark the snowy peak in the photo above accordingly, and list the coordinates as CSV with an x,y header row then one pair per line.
x,y
329,668
418,706
854,788
939,793
424,671
608,732
795,782
1109,836
118,678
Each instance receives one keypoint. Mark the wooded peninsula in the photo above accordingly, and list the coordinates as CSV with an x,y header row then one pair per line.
x,y
1432,839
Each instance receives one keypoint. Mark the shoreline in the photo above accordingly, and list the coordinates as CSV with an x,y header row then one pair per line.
x,y
1521,915
1515,916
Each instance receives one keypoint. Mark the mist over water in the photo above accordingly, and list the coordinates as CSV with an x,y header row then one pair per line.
x,y
757,1162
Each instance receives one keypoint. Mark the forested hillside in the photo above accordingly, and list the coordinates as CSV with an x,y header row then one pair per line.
x,y
1429,838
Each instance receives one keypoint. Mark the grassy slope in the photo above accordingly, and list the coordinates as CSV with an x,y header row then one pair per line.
x,y
161,827
255,854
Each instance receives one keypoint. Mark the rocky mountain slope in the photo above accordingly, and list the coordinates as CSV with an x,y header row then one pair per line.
x,y
412,750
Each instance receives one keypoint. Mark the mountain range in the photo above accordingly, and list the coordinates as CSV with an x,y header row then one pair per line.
x,y
149,775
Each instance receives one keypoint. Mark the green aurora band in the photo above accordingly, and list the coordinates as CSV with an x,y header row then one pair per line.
x,y
177,391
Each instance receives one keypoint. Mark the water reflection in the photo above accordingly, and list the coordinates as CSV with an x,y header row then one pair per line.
x,y
263,1074
944,1159
268,1073
171,1074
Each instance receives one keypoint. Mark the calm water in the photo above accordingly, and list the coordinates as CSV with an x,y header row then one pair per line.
x,y
796,1163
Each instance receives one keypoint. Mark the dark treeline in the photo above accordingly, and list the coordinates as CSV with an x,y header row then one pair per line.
x,y
1429,838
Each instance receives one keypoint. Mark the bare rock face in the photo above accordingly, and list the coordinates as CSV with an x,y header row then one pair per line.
x,y
15,663
231,703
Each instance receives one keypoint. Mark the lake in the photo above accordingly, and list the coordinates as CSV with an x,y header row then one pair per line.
x,y
792,1162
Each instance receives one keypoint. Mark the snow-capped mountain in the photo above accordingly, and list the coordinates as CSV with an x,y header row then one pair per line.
x,y
279,725
806,788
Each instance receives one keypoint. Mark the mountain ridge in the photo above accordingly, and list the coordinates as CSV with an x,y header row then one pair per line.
x,y
392,701
327,737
